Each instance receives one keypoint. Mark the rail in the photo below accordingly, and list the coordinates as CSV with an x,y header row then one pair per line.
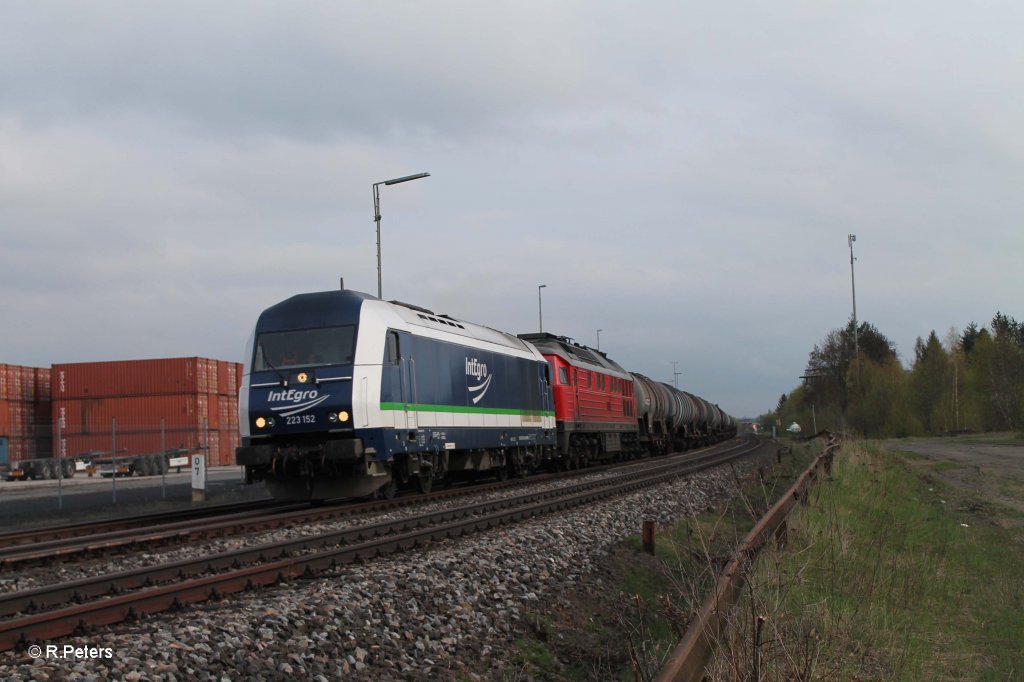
x,y
688,660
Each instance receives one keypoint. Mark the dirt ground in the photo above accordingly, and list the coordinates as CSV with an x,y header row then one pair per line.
x,y
992,472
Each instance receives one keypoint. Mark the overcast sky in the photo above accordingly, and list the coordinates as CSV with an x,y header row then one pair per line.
x,y
681,175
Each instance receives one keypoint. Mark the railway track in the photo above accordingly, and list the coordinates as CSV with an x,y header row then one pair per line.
x,y
34,536
158,588
157,531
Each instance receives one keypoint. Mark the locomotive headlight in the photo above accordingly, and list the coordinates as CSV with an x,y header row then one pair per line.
x,y
332,417
343,416
335,417
260,422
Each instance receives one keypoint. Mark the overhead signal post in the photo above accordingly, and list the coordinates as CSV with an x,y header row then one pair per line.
x,y
376,213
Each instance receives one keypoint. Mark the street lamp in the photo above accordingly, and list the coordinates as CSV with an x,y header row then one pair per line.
x,y
599,338
376,213
540,309
675,374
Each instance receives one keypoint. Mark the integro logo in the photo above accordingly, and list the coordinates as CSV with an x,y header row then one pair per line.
x,y
295,400
478,370
475,369
292,395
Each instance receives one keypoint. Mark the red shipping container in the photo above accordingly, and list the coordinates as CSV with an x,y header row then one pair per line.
x,y
222,377
3,381
13,374
229,440
16,421
132,378
42,381
133,414
228,374
5,417
222,448
28,383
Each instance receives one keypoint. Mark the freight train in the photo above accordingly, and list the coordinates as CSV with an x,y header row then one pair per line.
x,y
346,395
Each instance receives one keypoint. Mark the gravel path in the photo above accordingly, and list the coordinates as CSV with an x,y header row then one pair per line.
x,y
450,610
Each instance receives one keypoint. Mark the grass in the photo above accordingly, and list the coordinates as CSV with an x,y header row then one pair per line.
x,y
625,628
887,575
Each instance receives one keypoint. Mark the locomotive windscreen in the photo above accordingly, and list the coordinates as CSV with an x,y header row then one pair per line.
x,y
305,348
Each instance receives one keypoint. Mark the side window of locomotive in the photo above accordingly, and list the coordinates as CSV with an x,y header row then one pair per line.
x,y
391,350
563,375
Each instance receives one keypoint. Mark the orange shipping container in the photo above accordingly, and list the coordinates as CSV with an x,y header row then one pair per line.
x,y
28,383
136,413
133,378
228,374
12,374
42,381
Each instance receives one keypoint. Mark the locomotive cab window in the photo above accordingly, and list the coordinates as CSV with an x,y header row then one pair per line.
x,y
391,354
563,375
304,348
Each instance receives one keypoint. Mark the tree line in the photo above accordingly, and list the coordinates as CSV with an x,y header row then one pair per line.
x,y
970,381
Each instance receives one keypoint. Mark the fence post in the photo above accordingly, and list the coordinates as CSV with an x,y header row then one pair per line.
x,y
648,536
113,458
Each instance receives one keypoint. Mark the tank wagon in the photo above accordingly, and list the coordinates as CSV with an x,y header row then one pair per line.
x,y
346,395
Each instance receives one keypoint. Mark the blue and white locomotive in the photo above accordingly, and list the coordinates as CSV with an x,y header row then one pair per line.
x,y
346,395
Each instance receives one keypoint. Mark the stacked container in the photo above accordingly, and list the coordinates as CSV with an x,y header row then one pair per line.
x,y
25,411
147,406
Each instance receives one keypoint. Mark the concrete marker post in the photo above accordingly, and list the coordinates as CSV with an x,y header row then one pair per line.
x,y
198,478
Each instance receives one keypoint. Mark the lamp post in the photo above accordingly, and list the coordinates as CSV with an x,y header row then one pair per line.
x,y
850,239
675,374
376,213
599,338
540,308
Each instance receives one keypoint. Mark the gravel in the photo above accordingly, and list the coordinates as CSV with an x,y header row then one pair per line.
x,y
450,610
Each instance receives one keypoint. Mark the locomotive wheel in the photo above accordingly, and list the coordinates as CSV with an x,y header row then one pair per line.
x,y
424,482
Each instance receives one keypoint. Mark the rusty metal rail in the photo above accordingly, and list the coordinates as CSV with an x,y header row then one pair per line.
x,y
688,660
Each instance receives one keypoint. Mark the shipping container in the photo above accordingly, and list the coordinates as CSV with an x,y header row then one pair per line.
x,y
12,374
134,377
137,413
42,383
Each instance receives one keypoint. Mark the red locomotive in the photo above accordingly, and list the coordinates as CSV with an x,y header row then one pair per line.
x,y
595,407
